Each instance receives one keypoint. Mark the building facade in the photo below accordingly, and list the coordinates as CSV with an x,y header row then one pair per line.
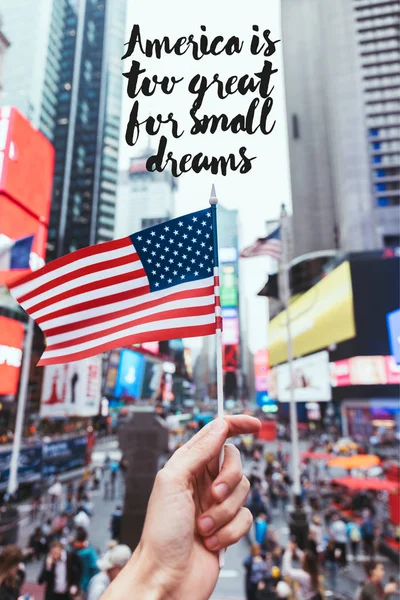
x,y
333,163
144,198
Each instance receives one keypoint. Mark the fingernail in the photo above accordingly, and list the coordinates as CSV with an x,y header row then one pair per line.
x,y
206,525
212,542
221,490
218,424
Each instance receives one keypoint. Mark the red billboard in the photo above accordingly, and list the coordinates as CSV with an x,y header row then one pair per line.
x,y
26,177
231,358
11,341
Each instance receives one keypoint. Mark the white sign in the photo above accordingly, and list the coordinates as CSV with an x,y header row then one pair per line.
x,y
72,390
311,379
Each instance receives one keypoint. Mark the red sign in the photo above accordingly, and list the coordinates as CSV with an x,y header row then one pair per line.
x,y
11,341
230,358
365,370
26,176
267,431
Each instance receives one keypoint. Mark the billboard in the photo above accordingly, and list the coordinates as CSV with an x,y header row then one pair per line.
x,y
26,177
311,379
365,370
73,389
228,291
230,331
11,342
112,373
321,316
261,370
151,379
230,358
130,375
393,325
29,465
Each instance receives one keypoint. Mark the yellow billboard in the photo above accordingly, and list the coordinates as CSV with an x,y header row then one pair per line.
x,y
321,316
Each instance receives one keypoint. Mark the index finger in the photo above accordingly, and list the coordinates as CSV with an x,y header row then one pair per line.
x,y
192,457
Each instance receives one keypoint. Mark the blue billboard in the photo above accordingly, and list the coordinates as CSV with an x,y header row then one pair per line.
x,y
130,375
393,324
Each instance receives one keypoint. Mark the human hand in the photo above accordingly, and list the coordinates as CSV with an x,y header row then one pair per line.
x,y
390,588
193,512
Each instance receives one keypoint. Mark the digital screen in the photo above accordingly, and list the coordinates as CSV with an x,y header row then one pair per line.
x,y
11,340
130,375
393,324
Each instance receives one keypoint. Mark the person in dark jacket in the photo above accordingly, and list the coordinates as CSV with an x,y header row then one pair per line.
x,y
61,573
115,527
373,588
12,574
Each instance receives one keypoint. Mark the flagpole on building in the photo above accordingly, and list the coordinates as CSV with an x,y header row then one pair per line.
x,y
284,284
218,331
12,486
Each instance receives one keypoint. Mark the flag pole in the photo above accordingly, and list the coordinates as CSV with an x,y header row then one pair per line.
x,y
218,332
12,485
284,281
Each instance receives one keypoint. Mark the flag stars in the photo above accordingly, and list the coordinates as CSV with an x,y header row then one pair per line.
x,y
190,227
153,253
202,244
203,223
144,249
198,231
180,224
169,280
166,269
196,273
207,235
171,241
156,284
162,257
166,228
161,276
184,236
162,237
139,237
158,246
184,256
194,240
198,252
187,268
153,233
175,273
180,245
154,272
208,214
158,265
182,276
179,265
149,241
194,219
176,232
171,260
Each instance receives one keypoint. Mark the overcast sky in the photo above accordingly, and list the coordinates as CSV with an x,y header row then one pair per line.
x,y
257,194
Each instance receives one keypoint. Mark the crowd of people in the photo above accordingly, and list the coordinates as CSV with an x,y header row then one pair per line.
x,y
71,567
320,548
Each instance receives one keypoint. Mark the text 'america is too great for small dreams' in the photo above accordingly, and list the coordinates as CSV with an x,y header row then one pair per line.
x,y
258,86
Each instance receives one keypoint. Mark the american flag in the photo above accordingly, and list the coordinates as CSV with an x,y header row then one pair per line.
x,y
158,284
267,246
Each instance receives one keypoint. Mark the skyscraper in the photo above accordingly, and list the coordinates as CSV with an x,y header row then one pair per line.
x,y
337,202
144,198
67,81
88,118
33,62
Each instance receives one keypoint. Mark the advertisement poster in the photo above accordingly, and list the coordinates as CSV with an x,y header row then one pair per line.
x,y
11,342
130,375
151,379
29,465
311,379
72,390
64,455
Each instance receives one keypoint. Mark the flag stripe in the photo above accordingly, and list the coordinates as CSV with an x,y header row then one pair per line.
x,y
75,260
146,336
95,316
84,274
121,299
129,334
82,291
153,315
113,287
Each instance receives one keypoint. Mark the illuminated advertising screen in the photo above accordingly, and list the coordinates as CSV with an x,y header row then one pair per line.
x,y
26,176
11,342
365,370
73,389
228,290
230,358
261,369
151,379
311,379
230,331
130,375
393,324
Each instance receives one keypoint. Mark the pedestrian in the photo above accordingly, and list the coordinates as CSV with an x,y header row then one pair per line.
x,y
61,573
88,557
82,519
367,530
36,500
354,535
110,565
339,533
330,559
317,534
37,544
55,493
261,530
307,577
115,525
12,573
256,571
373,588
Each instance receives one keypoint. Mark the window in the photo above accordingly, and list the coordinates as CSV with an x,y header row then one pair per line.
x,y
91,32
84,112
88,70
81,155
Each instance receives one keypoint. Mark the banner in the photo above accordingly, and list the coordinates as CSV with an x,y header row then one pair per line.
x,y
311,379
29,465
365,370
72,390
63,455
11,342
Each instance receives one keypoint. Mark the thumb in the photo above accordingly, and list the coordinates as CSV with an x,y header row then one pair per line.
x,y
191,459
